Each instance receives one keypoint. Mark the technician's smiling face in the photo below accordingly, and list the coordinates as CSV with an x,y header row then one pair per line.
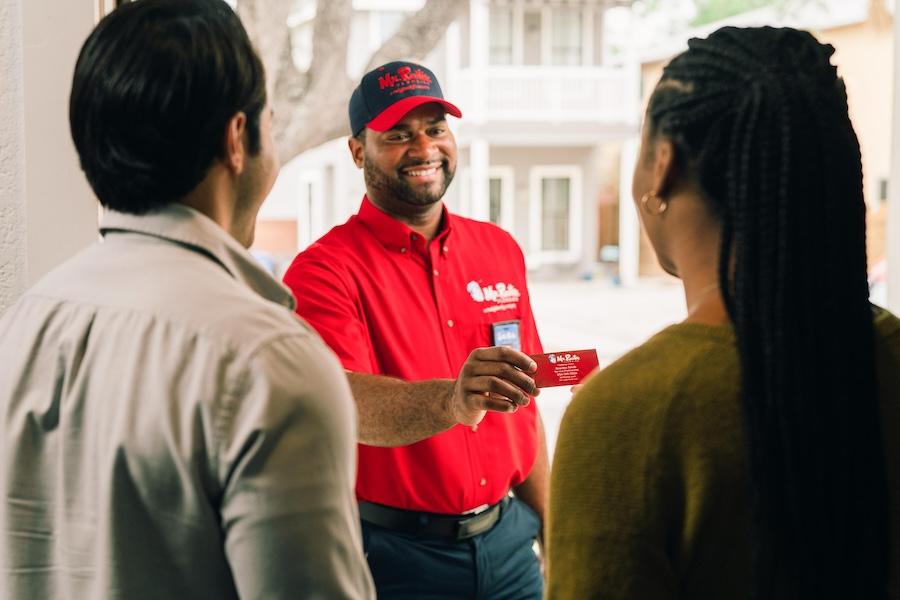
x,y
408,167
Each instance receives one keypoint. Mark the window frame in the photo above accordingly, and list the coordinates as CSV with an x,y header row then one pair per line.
x,y
536,175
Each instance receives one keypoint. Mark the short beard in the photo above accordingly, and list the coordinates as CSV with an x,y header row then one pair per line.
x,y
376,179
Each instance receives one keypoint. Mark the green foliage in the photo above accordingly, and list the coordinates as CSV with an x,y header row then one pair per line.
x,y
713,10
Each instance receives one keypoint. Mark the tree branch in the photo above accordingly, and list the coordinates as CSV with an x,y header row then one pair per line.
x,y
331,35
266,24
419,33
314,109
311,107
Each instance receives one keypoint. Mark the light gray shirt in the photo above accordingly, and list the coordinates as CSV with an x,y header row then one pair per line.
x,y
169,428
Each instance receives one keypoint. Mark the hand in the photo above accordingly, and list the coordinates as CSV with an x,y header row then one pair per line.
x,y
575,388
494,379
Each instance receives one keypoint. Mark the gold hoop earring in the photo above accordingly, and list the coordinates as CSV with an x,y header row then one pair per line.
x,y
661,204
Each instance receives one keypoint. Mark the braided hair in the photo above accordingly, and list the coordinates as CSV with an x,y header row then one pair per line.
x,y
758,116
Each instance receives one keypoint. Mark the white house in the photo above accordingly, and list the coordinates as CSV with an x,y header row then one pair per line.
x,y
548,95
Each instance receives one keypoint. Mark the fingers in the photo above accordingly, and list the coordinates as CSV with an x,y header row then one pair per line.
x,y
487,386
504,354
496,403
494,379
499,363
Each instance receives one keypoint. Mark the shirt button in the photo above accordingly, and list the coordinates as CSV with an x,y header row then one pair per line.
x,y
483,482
450,323
435,272
474,428
403,250
446,249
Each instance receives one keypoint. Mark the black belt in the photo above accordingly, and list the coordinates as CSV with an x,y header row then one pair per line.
x,y
452,527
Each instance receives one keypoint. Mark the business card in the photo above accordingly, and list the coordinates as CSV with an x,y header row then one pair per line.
x,y
564,368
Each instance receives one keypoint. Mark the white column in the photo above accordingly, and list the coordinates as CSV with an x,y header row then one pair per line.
x,y
632,66
13,264
479,24
479,192
629,228
893,224
589,212
60,209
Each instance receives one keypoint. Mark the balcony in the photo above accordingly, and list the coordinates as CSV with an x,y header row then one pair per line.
x,y
544,94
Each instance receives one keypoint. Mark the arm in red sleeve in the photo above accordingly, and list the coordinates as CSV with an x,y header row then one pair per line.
x,y
329,303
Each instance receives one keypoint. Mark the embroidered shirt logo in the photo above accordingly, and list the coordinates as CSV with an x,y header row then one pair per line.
x,y
475,291
500,295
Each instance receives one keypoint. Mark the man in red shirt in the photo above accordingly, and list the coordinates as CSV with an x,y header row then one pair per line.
x,y
429,314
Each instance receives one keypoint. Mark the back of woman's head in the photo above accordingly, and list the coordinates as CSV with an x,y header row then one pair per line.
x,y
758,118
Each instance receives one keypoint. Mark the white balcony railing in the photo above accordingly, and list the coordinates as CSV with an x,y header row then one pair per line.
x,y
606,95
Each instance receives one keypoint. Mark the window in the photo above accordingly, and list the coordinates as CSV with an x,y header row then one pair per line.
x,y
555,214
496,202
500,197
531,46
555,199
565,36
501,36
310,216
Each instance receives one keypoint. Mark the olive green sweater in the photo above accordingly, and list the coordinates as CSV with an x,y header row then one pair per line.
x,y
648,489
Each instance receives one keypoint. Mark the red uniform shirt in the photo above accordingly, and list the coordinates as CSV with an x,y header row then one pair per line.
x,y
389,304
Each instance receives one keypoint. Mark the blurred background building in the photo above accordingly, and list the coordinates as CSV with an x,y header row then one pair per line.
x,y
552,93
548,97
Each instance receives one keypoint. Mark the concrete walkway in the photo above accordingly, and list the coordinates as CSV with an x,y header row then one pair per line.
x,y
575,315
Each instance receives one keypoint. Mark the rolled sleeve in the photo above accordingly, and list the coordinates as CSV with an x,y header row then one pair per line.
x,y
288,465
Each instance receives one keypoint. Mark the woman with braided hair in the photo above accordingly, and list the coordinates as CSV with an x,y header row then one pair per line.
x,y
753,450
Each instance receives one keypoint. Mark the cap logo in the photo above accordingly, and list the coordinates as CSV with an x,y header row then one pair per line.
x,y
404,80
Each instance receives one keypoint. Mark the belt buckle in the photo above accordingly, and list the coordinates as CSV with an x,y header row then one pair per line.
x,y
463,529
476,524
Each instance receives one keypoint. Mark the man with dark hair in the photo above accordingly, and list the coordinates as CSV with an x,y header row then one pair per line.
x,y
168,428
420,305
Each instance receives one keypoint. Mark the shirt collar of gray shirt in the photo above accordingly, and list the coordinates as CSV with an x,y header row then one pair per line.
x,y
191,229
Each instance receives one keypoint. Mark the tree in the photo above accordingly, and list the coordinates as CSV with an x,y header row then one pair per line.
x,y
709,11
311,106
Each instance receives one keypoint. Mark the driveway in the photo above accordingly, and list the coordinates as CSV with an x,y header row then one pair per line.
x,y
575,315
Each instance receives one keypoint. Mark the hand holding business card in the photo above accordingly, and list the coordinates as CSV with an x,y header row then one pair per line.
x,y
564,368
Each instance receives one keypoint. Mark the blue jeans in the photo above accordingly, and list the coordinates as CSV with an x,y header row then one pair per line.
x,y
497,565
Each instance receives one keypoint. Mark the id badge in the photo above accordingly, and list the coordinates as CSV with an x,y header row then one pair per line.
x,y
506,333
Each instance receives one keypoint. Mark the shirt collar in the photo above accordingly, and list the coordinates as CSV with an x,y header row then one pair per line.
x,y
394,234
186,227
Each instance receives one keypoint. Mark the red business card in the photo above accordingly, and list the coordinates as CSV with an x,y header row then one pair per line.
x,y
564,368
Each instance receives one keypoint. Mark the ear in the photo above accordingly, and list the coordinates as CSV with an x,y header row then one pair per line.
x,y
663,174
357,151
235,150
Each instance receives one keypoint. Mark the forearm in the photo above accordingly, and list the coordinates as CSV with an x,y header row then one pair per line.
x,y
393,412
534,491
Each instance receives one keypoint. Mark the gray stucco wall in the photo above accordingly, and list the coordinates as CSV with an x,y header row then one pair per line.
x,y
13,273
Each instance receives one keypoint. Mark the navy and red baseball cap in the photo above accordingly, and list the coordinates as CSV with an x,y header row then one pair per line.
x,y
387,93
